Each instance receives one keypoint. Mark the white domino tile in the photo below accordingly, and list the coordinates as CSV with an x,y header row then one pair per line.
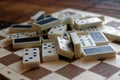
x,y
49,52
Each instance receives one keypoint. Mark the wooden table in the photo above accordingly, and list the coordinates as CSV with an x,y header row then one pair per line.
x,y
20,11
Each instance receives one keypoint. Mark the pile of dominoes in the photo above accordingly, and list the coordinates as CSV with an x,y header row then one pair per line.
x,y
47,37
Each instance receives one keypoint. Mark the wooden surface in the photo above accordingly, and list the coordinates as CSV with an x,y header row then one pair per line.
x,y
20,10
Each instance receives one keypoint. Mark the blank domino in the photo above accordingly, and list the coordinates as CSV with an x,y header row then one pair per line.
x,y
64,48
49,52
76,44
31,58
38,16
57,31
86,41
46,23
26,42
18,28
99,38
98,52
85,23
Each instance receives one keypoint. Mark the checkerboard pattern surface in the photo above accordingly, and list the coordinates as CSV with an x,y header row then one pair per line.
x,y
64,69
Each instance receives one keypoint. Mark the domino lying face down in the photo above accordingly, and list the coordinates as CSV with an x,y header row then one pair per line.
x,y
38,16
46,23
99,38
98,52
26,42
18,28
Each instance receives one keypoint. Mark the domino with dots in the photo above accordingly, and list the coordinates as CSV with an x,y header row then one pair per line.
x,y
31,58
76,44
87,30
98,52
49,52
86,41
57,31
64,47
22,35
85,23
26,42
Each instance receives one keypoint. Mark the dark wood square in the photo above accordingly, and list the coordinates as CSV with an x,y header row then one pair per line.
x,y
10,48
1,37
36,73
70,71
9,59
104,69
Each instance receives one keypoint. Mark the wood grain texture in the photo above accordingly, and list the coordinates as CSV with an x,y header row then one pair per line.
x,y
20,11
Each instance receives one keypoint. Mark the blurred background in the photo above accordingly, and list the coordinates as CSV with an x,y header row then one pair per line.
x,y
18,11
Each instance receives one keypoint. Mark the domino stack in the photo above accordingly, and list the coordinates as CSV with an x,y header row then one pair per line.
x,y
71,36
